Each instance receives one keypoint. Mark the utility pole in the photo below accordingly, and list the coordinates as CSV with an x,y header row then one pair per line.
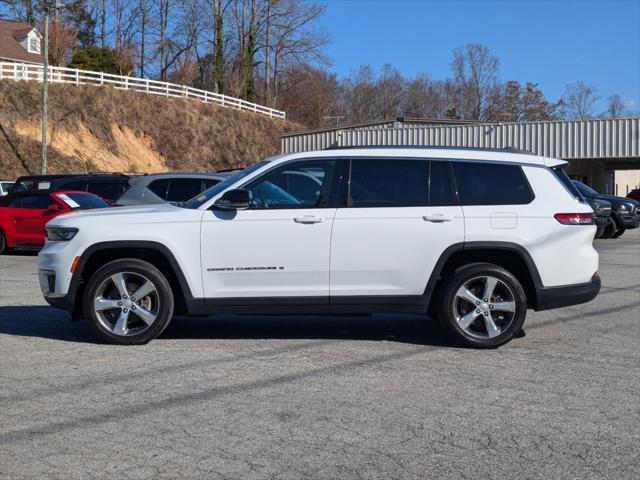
x,y
45,81
45,92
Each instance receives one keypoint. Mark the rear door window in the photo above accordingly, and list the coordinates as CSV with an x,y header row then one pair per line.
x,y
388,183
491,184
182,189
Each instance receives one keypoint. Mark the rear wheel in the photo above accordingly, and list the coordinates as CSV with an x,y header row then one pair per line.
x,y
482,306
3,243
128,302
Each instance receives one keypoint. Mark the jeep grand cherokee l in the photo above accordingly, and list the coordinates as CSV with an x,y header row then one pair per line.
x,y
475,237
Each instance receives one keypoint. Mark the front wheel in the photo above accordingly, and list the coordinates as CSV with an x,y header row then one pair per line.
x,y
128,302
619,232
609,230
482,306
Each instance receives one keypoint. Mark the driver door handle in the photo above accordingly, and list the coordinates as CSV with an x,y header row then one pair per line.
x,y
437,218
307,219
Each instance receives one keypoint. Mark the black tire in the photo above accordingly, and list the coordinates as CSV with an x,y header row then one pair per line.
x,y
135,273
610,230
508,291
3,243
619,232
599,231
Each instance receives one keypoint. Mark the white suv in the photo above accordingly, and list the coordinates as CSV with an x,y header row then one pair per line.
x,y
474,237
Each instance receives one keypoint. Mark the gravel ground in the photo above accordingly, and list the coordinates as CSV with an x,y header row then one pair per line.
x,y
323,397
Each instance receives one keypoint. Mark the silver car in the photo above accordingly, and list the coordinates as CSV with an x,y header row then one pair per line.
x,y
168,187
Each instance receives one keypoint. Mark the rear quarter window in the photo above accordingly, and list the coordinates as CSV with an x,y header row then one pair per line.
x,y
491,184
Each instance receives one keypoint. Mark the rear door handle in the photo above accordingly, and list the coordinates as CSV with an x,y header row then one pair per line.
x,y
437,218
307,219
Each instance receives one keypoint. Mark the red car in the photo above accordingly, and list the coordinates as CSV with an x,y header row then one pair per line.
x,y
24,215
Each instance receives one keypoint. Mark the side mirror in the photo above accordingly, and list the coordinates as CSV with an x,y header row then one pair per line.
x,y
236,199
53,208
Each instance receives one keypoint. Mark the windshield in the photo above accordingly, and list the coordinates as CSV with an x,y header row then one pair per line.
x,y
82,201
199,200
584,189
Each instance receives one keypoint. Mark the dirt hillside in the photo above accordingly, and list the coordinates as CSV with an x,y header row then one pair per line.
x,y
104,129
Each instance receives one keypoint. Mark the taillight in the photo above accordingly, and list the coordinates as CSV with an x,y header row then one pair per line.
x,y
575,218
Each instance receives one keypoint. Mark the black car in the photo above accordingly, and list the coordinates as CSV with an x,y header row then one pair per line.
x,y
37,183
106,185
625,212
602,209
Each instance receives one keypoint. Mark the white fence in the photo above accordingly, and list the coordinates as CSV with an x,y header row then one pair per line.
x,y
24,71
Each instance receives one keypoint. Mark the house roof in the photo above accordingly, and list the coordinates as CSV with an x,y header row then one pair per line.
x,y
10,49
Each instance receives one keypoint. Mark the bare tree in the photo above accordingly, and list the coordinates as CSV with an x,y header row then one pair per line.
x,y
62,42
579,100
293,39
475,73
309,95
144,21
21,10
514,103
615,106
390,92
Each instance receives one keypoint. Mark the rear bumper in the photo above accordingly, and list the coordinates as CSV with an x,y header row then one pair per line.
x,y
556,297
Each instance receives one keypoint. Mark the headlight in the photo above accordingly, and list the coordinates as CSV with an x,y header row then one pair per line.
x,y
625,208
60,234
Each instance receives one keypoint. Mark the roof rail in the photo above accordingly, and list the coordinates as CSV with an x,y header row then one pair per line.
x,y
427,147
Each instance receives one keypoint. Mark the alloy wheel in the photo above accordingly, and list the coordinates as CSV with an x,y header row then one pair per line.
x,y
484,307
126,303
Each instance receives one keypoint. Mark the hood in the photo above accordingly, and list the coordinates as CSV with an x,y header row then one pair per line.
x,y
122,215
618,200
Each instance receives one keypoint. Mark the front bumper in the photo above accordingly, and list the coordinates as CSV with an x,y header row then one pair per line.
x,y
629,221
47,279
556,297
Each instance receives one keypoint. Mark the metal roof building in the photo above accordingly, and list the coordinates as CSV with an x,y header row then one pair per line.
x,y
594,148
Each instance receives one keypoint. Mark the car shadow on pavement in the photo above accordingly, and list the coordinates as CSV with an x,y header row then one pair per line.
x,y
47,322
21,253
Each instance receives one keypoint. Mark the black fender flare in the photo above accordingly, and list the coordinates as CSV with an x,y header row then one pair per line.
x,y
76,278
491,245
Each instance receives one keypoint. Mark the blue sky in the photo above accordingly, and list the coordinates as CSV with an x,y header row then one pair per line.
x,y
551,43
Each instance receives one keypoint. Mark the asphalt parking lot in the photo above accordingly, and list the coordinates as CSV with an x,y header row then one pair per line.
x,y
323,397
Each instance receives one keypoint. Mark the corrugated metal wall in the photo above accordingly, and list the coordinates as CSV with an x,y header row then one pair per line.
x,y
601,138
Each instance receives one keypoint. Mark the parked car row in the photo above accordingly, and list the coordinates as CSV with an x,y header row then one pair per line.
x,y
623,213
122,189
27,204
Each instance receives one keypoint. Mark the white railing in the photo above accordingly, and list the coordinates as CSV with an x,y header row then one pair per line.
x,y
24,71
